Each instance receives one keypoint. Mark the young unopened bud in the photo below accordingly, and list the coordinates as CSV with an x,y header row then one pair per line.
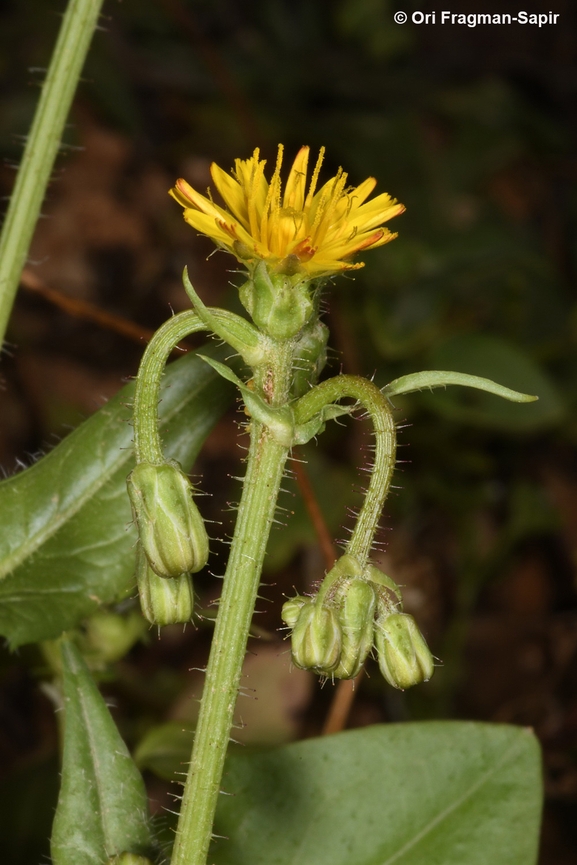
x,y
316,639
163,601
356,617
279,303
291,609
310,357
404,657
170,527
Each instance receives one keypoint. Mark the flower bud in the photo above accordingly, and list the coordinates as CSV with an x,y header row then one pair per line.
x,y
404,657
316,639
356,617
170,526
310,357
291,609
279,303
163,601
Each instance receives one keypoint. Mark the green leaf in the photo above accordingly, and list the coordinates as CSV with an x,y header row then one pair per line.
x,y
431,378
102,804
498,360
440,793
165,749
67,541
279,420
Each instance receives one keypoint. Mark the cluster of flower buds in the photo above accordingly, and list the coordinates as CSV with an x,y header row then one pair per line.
x,y
173,542
355,609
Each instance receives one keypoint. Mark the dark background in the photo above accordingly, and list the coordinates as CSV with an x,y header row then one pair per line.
x,y
473,129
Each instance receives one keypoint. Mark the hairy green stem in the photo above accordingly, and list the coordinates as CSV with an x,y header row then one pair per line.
x,y
264,473
147,443
379,410
42,146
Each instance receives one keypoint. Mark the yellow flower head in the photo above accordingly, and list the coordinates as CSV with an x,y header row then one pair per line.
x,y
312,232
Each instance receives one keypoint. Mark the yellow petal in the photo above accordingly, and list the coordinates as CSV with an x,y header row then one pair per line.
x,y
324,266
314,180
245,169
322,230
272,201
294,195
231,191
362,191
179,197
189,197
236,231
207,225
375,212
257,191
327,212
356,242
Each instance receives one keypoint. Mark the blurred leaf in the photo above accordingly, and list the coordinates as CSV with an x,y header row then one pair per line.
x,y
67,541
531,512
494,358
269,711
102,807
165,750
107,637
403,325
441,793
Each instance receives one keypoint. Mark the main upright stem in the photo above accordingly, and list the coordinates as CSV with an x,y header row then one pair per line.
x,y
265,469
42,145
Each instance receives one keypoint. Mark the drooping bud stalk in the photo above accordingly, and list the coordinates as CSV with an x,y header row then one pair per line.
x,y
375,575
170,527
404,657
163,601
356,618
316,639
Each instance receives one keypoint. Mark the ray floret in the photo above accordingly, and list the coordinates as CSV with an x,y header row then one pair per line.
x,y
318,230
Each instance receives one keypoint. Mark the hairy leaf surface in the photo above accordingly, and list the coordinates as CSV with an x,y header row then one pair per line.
x,y
67,542
102,804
